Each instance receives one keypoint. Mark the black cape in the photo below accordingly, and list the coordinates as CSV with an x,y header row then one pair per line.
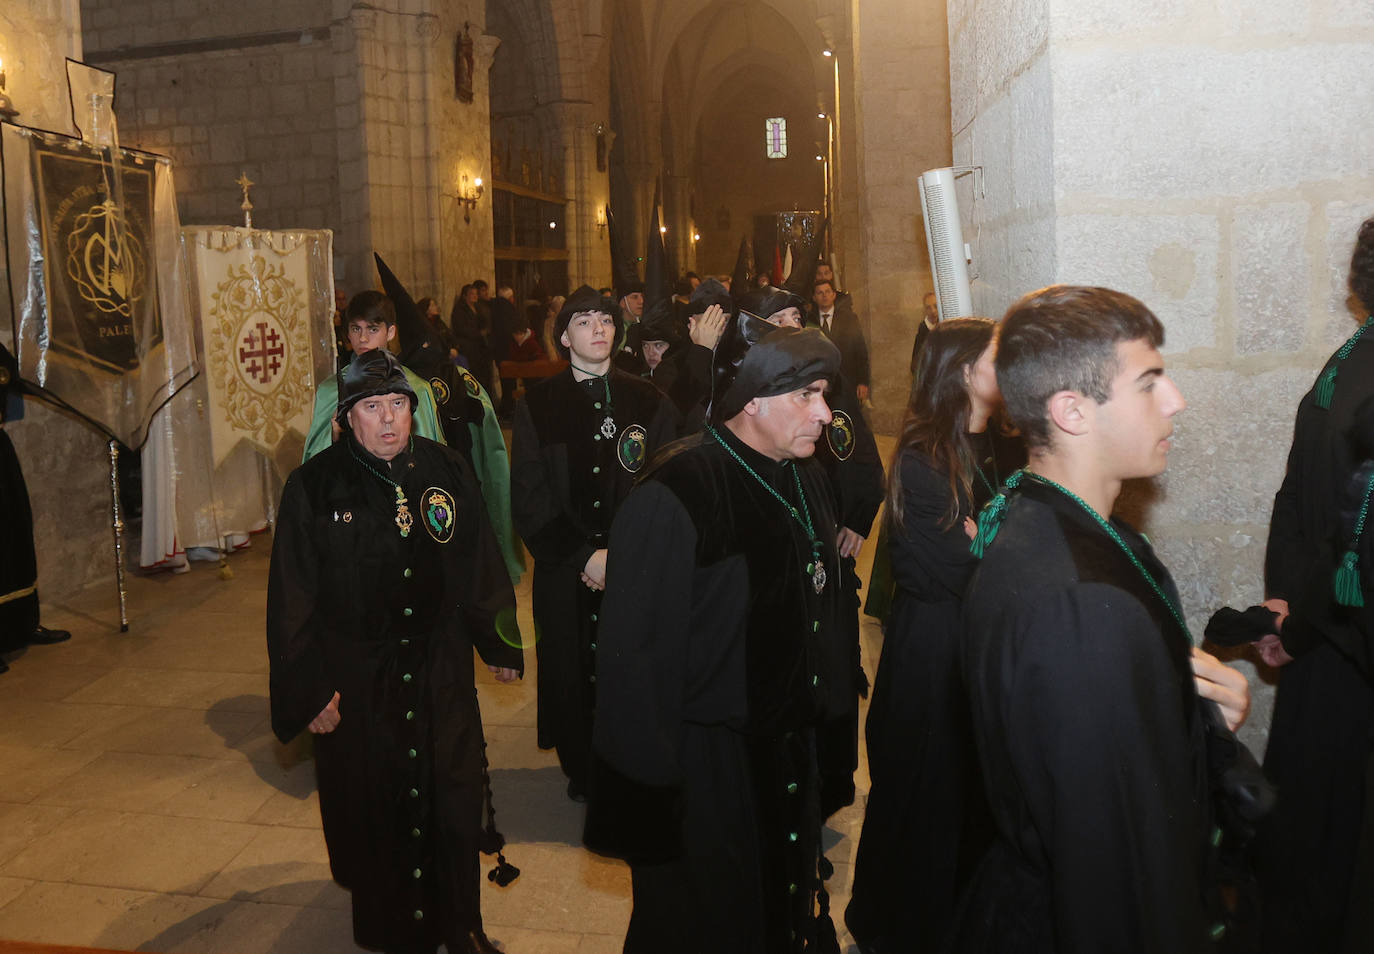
x,y
1090,736
390,623
717,661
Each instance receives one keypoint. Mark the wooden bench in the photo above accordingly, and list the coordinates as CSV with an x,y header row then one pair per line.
x,y
518,371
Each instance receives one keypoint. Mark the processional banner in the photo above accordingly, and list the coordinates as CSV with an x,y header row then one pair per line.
x,y
265,301
100,320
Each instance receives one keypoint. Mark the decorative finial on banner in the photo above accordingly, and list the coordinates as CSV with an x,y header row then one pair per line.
x,y
244,183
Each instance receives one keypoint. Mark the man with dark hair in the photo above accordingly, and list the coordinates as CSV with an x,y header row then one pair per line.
x,y
580,437
1315,854
1089,719
628,357
719,655
385,576
835,316
930,317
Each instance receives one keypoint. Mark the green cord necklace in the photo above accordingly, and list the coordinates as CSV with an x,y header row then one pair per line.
x,y
1347,580
991,517
608,425
1326,383
816,569
404,520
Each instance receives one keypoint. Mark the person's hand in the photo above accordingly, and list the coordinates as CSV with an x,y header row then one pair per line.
x,y
1270,649
705,329
970,527
594,573
861,392
328,719
1275,605
849,543
1225,686
504,673
453,354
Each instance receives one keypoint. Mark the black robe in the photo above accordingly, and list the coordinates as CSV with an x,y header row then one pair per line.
x,y
926,822
1315,852
18,561
849,455
390,623
1090,735
567,482
717,661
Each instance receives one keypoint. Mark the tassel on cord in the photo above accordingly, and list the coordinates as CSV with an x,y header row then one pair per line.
x,y
1348,592
1326,387
491,840
990,520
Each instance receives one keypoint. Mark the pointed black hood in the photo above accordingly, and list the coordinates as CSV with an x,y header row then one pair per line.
x,y
624,270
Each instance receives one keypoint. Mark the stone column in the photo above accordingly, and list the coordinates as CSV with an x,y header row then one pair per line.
x,y
587,191
1212,161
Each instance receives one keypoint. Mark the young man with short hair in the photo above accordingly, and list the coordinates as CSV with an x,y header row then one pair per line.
x,y
1086,693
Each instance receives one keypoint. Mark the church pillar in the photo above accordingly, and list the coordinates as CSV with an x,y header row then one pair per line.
x,y
588,191
895,72
1211,161
677,213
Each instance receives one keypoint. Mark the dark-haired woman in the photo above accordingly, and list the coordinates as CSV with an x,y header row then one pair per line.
x,y
926,825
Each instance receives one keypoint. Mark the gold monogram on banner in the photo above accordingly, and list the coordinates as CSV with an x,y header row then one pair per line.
x,y
258,349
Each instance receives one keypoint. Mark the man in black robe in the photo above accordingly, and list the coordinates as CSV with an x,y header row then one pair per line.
x,y
385,575
19,614
719,656
1086,712
1315,853
849,455
580,437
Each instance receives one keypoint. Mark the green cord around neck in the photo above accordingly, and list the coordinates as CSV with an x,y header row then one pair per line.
x,y
1326,383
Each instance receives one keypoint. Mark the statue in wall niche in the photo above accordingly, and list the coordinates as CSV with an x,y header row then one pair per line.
x,y
463,66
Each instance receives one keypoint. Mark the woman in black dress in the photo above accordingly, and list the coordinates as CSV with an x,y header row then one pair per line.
x,y
926,825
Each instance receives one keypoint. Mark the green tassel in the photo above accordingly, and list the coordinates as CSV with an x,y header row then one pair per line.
x,y
1348,591
989,522
1326,386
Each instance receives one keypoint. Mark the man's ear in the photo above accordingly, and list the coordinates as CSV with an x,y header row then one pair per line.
x,y
390,332
753,407
1069,411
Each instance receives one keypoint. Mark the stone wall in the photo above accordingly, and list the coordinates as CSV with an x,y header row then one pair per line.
x,y
1211,159
65,463
902,128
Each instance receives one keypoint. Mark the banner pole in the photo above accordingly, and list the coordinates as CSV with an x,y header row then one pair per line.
x,y
118,527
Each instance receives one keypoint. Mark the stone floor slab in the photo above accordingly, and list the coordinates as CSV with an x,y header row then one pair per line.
x,y
206,734
126,781
29,770
281,866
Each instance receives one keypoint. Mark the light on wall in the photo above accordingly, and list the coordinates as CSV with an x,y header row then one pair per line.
x,y
601,221
7,109
469,194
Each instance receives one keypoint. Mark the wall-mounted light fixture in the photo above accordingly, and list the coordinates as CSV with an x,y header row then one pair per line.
x,y
469,194
696,236
7,109
601,221
663,230
827,53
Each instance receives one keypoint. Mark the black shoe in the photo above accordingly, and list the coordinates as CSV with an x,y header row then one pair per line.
x,y
475,942
42,636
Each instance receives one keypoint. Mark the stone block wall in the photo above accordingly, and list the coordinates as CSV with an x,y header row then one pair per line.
x,y
1211,159
902,127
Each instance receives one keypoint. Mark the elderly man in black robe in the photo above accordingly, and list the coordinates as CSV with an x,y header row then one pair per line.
x,y
580,438
385,575
721,651
1087,696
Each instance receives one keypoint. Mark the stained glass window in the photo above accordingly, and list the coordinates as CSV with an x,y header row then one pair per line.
x,y
775,137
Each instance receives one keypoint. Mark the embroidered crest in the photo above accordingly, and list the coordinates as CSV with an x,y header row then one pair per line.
x,y
440,514
440,390
840,435
348,516
633,449
469,382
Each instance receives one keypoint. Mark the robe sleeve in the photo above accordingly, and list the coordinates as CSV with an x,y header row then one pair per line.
x,y
642,677
1097,739
487,601
550,534
929,559
299,680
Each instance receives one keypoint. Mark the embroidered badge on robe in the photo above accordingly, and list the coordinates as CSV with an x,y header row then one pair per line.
x,y
440,513
840,435
469,382
440,390
633,449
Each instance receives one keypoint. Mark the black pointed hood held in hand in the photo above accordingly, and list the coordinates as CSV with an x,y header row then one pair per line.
x,y
804,261
416,339
742,278
657,285
624,271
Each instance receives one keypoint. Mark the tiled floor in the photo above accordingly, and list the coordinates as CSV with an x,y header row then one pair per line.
x,y
145,805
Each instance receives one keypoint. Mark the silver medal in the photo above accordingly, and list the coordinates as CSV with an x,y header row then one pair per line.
x,y
608,427
818,577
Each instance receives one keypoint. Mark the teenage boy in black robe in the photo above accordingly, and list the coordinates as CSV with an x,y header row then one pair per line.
x,y
1080,670
1315,853
19,626
720,653
385,576
580,438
